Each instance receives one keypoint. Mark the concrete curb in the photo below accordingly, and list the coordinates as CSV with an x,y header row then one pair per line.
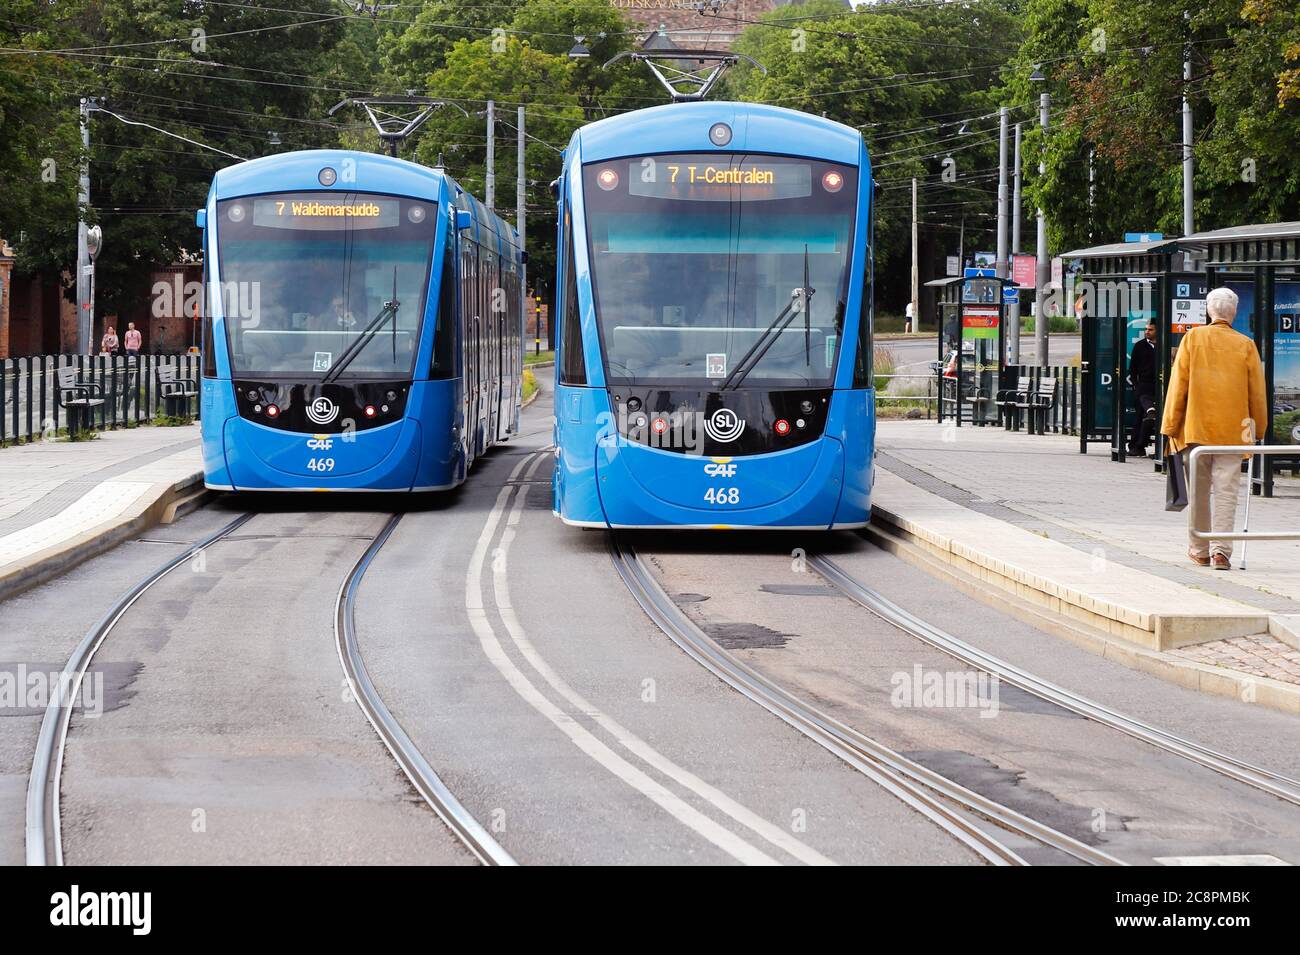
x,y
1137,607
161,504
1219,681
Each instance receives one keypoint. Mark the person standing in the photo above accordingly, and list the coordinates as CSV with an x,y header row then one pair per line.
x,y
1144,373
132,340
1216,396
108,344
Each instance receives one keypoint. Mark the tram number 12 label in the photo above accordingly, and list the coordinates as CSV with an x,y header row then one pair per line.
x,y
320,464
722,495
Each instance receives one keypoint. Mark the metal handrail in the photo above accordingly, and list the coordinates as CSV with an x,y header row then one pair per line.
x,y
1243,450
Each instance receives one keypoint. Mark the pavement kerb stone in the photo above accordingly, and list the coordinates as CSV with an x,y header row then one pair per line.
x,y
1079,627
147,511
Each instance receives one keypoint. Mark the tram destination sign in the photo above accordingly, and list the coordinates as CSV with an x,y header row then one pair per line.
x,y
316,213
705,181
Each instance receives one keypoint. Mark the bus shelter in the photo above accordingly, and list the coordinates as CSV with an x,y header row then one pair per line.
x,y
972,328
1120,288
1261,263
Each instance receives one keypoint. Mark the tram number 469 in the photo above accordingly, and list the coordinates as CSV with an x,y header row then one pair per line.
x,y
722,495
320,464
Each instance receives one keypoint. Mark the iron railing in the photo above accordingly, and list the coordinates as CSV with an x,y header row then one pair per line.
x,y
30,405
1199,451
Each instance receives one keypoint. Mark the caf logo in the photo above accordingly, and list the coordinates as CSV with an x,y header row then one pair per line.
x,y
724,425
322,410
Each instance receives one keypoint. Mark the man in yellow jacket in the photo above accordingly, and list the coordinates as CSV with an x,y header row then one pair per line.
x,y
1216,396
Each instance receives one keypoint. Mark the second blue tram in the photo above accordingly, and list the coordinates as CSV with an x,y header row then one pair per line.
x,y
714,321
363,326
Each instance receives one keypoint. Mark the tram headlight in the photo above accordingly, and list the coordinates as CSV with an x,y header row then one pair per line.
x,y
607,179
833,181
806,406
327,176
272,411
782,427
236,213
416,214
370,411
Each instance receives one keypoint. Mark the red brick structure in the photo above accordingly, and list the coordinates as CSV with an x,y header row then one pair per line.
x,y
37,318
687,26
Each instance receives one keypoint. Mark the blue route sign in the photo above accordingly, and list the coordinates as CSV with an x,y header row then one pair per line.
x,y
1011,295
1143,236
980,273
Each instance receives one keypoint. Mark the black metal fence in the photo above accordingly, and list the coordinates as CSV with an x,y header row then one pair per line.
x,y
35,400
1062,416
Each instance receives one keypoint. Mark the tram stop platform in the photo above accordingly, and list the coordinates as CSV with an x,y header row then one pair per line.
x,y
64,502
1083,548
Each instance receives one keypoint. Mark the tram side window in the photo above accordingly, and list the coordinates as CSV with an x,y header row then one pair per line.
x,y
209,346
573,369
444,335
862,366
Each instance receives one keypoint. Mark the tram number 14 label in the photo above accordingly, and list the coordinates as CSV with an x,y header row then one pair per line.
x,y
320,464
722,495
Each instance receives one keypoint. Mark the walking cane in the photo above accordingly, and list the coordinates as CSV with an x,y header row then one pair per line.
x,y
1250,492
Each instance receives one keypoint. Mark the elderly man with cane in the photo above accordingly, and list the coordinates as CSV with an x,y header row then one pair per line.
x,y
1216,396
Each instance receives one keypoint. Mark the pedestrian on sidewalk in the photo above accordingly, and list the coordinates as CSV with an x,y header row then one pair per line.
x,y
108,344
1144,373
132,340
1216,396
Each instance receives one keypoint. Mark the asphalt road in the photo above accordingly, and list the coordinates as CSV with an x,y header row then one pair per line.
x,y
563,718
914,354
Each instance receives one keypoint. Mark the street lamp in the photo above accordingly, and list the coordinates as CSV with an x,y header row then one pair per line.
x,y
579,50
1043,269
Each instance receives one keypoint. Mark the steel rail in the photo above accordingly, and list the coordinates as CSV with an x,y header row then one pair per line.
x,y
1277,784
417,769
44,837
909,781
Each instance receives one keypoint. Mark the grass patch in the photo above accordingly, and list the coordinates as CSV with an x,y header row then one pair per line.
x,y
84,434
171,421
1055,323
531,359
530,384
882,365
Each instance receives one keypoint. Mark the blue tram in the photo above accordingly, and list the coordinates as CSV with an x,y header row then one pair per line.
x,y
362,329
714,321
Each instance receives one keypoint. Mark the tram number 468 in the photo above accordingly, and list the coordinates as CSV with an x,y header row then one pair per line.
x,y
722,495
320,464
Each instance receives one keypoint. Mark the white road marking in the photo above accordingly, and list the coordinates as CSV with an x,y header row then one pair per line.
x,y
581,737
638,747
1220,860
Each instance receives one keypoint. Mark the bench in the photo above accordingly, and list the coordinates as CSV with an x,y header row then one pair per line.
x,y
79,398
176,391
1008,401
1036,402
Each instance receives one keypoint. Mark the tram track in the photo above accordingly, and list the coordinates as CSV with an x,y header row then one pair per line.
x,y
43,826
1276,784
946,803
418,770
44,840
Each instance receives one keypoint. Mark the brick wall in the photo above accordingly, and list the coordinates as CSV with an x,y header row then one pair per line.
x,y
687,27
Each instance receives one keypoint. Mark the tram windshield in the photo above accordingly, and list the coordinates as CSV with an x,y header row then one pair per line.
x,y
306,278
697,259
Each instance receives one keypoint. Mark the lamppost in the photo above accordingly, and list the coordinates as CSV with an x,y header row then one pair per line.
x,y
1044,266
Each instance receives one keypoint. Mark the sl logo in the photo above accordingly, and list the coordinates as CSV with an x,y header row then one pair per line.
x,y
322,410
724,425
716,469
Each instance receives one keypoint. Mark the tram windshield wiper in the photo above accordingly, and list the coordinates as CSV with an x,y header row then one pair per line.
x,y
389,311
800,298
